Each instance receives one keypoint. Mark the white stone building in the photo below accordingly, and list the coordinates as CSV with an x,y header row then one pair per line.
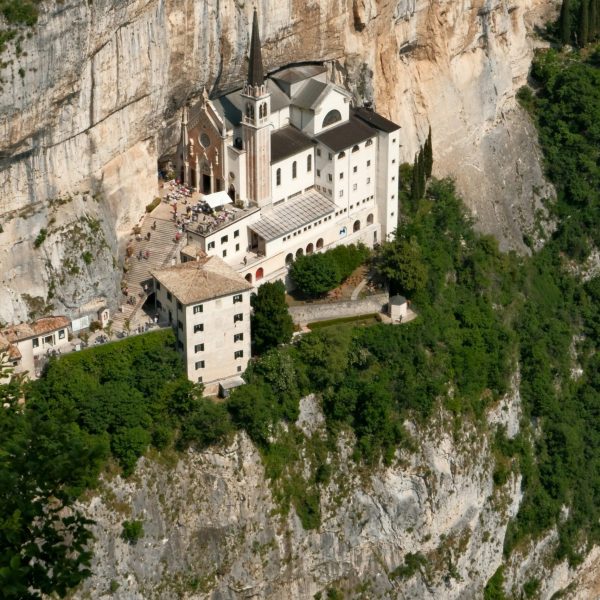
x,y
293,165
208,305
28,345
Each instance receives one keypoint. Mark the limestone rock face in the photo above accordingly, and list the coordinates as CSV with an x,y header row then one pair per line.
x,y
90,104
213,530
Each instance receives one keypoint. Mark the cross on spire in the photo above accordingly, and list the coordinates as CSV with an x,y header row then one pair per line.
x,y
256,75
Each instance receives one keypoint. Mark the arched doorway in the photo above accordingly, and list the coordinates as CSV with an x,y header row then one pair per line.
x,y
370,219
319,243
310,249
260,273
356,226
249,277
299,252
289,259
231,192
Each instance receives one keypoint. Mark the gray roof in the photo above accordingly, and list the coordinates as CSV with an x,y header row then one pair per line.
x,y
376,120
347,134
230,105
298,73
288,141
292,215
310,93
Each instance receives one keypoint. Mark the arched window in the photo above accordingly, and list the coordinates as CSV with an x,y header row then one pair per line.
x,y
289,259
249,277
356,148
319,243
356,226
333,116
294,169
278,177
369,142
309,249
370,219
341,155
299,252
264,107
309,163
259,274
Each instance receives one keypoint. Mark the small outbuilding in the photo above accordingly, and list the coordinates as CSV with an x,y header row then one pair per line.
x,y
397,308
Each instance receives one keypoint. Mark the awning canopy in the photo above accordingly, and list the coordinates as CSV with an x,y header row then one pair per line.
x,y
217,199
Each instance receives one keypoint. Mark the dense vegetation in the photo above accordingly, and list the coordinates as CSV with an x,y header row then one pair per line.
x,y
316,274
579,22
271,323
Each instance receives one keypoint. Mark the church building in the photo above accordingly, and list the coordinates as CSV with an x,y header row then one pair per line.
x,y
288,166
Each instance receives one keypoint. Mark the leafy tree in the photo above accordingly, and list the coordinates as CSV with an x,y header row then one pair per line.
x,y
401,265
271,322
428,155
315,274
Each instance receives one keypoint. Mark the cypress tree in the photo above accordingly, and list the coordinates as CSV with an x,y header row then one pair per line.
x,y
414,183
421,172
565,22
428,155
593,19
584,23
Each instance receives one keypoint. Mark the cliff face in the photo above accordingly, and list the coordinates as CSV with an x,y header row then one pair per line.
x,y
90,103
212,528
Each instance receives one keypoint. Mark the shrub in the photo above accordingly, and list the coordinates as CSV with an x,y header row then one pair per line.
x,y
132,531
41,237
95,326
150,207
88,257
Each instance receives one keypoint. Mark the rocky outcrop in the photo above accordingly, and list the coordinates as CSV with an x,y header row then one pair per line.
x,y
213,529
89,102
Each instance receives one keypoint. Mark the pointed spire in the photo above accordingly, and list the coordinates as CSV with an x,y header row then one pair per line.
x,y
256,75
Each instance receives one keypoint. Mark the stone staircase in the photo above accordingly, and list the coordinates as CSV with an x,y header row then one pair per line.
x,y
162,251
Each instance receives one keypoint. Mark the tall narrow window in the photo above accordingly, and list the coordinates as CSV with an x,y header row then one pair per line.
x,y
294,169
278,177
309,163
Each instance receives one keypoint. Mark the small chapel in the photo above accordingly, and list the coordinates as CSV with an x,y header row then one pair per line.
x,y
286,165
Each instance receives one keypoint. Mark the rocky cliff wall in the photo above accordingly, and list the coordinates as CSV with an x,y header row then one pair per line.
x,y
213,530
89,102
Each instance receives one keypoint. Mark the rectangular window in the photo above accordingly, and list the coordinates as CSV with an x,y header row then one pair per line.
x,y
368,163
342,175
238,337
158,304
330,156
237,247
238,317
341,193
199,327
179,305
318,172
393,140
199,348
169,296
237,298
354,169
354,186
36,342
211,245
329,177
61,334
158,285
368,180
198,309
393,161
199,379
236,233
238,354
180,325
180,344
224,253
199,364
224,239
394,178
318,151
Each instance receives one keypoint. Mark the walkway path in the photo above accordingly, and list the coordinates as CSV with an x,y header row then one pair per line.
x,y
161,250
358,289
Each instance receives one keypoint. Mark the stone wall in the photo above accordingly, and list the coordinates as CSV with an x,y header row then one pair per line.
x,y
307,313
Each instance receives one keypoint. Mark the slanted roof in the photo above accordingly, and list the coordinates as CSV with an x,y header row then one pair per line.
x,y
288,141
292,215
201,280
298,73
12,351
346,135
397,300
310,93
376,120
23,331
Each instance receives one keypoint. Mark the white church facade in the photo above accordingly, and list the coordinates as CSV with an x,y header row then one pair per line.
x,y
291,167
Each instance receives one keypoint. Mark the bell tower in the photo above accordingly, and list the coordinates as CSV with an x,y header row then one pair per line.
x,y
255,125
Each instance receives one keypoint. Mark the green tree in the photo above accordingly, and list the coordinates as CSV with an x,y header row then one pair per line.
x,y
584,23
428,155
315,274
565,22
401,265
271,322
